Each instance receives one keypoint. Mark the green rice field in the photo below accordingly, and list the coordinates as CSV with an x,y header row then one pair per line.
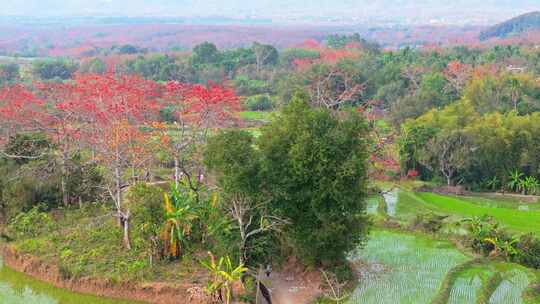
x,y
397,267
400,267
511,214
406,267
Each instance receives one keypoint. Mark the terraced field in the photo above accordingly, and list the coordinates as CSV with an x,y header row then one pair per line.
x,y
397,267
512,215
490,282
404,267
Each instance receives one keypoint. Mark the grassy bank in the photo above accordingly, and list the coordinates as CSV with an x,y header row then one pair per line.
x,y
88,243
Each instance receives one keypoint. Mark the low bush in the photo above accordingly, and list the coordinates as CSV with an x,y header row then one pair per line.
x,y
488,238
261,102
528,248
428,222
31,224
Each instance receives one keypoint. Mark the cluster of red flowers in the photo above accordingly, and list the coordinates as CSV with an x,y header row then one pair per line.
x,y
88,108
326,55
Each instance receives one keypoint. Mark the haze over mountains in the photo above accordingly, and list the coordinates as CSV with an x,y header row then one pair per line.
x,y
374,12
515,26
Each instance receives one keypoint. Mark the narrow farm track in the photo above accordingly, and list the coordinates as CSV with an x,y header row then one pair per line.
x,y
292,287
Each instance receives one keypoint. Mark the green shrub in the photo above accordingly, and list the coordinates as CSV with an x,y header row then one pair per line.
x,y
21,195
54,69
261,102
528,251
428,222
31,224
32,246
147,212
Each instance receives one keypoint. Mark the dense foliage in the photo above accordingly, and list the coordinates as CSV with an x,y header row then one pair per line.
x,y
149,151
466,147
309,169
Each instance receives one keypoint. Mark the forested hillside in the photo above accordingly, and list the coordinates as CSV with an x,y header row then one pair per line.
x,y
514,26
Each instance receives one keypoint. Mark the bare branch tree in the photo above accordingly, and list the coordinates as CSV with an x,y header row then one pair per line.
x,y
245,213
332,88
335,290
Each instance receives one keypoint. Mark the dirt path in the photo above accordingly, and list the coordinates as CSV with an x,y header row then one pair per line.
x,y
293,288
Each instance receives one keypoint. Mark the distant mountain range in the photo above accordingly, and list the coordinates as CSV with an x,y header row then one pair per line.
x,y
375,12
513,27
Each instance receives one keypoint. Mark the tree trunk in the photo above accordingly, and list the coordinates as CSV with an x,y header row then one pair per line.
x,y
63,182
243,253
125,222
63,188
123,218
176,172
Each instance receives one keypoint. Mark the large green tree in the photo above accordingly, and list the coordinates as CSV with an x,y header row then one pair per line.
x,y
54,69
9,73
206,53
305,174
313,167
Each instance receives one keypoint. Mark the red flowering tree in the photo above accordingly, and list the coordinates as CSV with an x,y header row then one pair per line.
x,y
116,114
20,111
458,74
63,126
199,110
329,83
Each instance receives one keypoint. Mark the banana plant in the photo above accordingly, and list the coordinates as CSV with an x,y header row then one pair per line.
x,y
211,215
179,220
493,184
224,274
504,247
481,227
531,185
515,180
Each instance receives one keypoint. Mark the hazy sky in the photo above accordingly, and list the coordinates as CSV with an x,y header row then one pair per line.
x,y
331,9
